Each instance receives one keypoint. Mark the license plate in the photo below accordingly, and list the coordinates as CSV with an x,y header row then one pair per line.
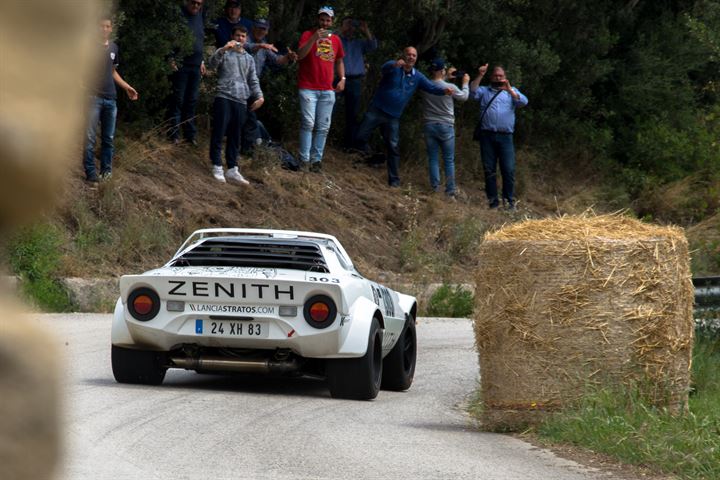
x,y
232,328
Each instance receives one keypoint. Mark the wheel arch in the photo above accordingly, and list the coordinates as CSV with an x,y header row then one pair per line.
x,y
120,334
354,336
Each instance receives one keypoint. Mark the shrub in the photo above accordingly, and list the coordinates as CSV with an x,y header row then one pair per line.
x,y
450,301
35,255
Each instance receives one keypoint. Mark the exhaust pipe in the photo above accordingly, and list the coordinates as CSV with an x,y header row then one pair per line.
x,y
229,364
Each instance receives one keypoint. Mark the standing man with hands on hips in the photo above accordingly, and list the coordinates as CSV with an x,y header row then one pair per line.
x,y
495,130
320,53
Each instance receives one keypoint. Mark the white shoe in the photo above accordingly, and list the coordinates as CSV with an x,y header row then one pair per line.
x,y
217,173
234,175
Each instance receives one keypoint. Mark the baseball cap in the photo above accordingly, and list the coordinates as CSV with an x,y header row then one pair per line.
x,y
327,11
261,23
232,3
437,64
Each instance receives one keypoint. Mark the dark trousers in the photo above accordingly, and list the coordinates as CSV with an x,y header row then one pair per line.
x,y
498,148
181,111
228,119
351,97
390,129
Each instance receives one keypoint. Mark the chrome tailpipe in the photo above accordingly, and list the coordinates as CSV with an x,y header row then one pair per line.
x,y
241,365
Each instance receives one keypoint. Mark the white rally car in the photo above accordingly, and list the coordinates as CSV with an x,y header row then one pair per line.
x,y
265,301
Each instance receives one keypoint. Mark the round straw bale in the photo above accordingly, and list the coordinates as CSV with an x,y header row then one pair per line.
x,y
572,303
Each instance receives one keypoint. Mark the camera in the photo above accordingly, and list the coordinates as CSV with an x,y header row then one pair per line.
x,y
457,76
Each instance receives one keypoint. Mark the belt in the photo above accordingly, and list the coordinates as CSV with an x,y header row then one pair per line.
x,y
353,77
495,132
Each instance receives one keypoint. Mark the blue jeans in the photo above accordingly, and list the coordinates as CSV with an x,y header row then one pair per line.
x,y
441,136
185,87
228,120
316,108
351,96
498,148
375,118
104,111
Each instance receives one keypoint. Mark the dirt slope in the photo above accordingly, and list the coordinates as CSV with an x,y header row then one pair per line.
x,y
160,193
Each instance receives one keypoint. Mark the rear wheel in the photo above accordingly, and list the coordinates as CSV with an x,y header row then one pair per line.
x,y
138,366
358,378
399,364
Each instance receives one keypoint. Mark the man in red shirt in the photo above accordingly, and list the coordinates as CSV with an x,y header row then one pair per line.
x,y
320,52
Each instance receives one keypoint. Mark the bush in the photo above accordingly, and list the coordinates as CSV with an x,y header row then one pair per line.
x,y
450,301
35,255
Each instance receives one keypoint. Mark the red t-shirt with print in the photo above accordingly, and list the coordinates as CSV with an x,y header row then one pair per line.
x,y
317,68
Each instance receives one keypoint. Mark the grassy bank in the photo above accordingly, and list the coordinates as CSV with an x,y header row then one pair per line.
x,y
618,423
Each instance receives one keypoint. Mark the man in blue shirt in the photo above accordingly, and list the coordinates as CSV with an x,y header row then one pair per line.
x,y
397,85
354,60
224,26
497,124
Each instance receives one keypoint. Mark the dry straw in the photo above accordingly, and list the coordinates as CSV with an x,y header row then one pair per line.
x,y
572,303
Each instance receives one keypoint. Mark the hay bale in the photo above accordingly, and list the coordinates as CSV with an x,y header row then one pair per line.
x,y
564,304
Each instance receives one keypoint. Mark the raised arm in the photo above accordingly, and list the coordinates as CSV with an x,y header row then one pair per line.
x,y
307,43
481,73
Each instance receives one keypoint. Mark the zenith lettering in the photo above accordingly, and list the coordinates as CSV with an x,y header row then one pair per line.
x,y
182,288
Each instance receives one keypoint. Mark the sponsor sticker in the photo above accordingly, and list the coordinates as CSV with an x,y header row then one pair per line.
x,y
247,309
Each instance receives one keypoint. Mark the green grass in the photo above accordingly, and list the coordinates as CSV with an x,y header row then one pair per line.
x,y
34,254
618,423
449,301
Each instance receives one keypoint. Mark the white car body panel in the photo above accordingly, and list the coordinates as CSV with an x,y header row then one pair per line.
x,y
253,295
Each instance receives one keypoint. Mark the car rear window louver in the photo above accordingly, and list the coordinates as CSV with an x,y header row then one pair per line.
x,y
265,253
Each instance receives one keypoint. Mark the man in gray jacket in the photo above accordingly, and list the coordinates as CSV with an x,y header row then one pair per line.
x,y
439,124
237,81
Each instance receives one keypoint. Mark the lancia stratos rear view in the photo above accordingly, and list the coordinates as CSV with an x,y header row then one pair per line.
x,y
268,302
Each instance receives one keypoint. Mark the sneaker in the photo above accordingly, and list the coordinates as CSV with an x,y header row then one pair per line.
x,y
494,205
105,176
315,167
233,174
217,173
92,178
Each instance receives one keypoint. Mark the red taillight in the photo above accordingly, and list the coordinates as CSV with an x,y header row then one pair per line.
x,y
319,311
143,304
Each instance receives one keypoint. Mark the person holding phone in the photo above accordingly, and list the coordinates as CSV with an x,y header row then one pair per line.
x,y
320,53
237,82
498,102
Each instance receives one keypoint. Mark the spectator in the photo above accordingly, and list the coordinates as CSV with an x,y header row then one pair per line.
x,y
104,107
186,78
237,82
224,26
495,132
354,61
397,85
439,125
319,51
264,53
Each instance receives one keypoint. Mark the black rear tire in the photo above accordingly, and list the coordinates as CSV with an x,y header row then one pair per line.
x,y
138,366
358,378
399,364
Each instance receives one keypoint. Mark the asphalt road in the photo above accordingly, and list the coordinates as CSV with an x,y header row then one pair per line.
x,y
220,427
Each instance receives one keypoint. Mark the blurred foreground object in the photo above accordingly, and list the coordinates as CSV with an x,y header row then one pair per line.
x,y
45,49
46,59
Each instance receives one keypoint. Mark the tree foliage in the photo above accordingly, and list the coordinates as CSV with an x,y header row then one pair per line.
x,y
634,82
